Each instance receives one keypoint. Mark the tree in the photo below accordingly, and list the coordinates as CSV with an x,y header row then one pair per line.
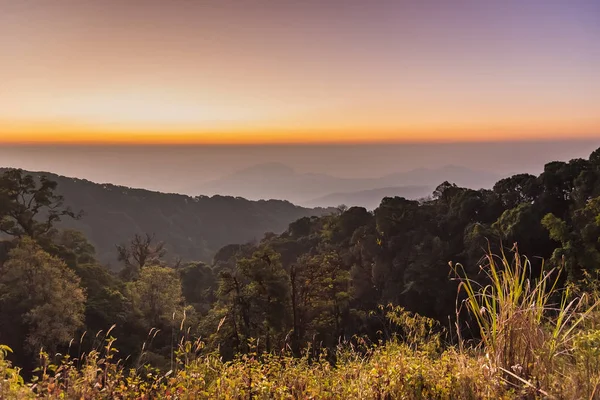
x,y
253,303
198,285
139,252
580,246
30,207
106,304
521,188
73,247
156,295
300,227
558,182
267,290
445,191
41,302
522,225
364,252
320,295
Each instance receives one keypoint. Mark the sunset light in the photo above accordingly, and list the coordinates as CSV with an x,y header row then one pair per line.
x,y
292,72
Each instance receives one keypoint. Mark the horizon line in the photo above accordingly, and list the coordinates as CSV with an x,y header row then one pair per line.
x,y
129,141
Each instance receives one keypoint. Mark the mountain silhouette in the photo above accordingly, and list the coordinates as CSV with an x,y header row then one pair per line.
x,y
279,181
370,199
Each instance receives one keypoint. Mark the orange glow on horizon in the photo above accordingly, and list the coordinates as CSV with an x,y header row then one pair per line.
x,y
96,136
181,72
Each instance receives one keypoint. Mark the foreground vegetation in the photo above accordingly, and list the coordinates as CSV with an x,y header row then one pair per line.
x,y
531,347
393,371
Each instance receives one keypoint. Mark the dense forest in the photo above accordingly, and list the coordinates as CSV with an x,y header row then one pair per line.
x,y
325,280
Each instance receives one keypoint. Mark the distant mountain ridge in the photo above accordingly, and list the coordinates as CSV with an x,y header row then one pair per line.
x,y
370,199
193,228
279,181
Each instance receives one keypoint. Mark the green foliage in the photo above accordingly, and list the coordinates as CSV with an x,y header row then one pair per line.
x,y
320,299
198,285
40,297
29,207
580,246
416,331
12,385
524,332
252,303
139,252
156,296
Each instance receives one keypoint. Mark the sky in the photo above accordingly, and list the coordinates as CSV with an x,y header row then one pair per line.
x,y
272,72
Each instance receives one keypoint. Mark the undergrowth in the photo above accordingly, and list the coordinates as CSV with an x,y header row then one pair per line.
x,y
537,341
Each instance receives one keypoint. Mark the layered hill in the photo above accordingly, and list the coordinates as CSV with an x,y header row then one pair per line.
x,y
193,228
370,199
280,181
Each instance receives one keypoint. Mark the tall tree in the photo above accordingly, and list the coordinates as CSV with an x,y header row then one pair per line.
x,y
320,294
253,302
156,295
139,252
41,302
30,206
579,248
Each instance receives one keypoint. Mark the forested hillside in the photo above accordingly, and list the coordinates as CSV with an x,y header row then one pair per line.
x,y
326,280
193,228
324,277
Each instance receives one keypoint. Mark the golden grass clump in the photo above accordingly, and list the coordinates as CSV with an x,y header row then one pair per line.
x,y
535,335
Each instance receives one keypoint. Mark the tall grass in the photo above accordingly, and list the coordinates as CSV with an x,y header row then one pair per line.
x,y
393,371
529,327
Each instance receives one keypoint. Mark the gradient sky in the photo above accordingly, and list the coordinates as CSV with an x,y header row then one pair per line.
x,y
83,71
